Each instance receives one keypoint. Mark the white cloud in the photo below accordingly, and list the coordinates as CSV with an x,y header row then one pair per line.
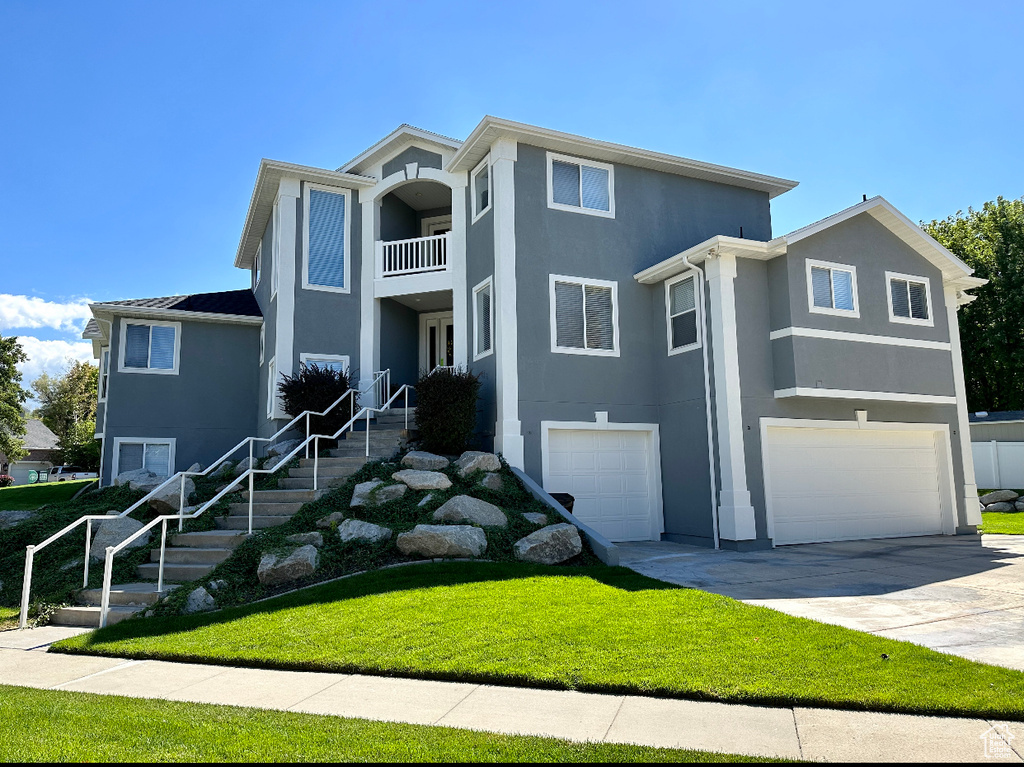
x,y
34,312
49,357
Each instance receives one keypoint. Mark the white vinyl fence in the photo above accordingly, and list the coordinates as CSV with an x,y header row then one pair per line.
x,y
999,465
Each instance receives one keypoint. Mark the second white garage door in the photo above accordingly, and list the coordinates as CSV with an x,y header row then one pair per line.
x,y
846,484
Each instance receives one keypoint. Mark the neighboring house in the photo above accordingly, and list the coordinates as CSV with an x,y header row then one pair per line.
x,y
41,444
644,342
998,443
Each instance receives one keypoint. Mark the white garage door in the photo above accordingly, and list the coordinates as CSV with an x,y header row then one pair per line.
x,y
845,484
609,474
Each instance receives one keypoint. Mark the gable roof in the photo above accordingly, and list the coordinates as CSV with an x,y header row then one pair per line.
x,y
38,436
403,134
226,306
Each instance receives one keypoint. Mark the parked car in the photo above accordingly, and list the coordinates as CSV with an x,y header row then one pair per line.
x,y
62,473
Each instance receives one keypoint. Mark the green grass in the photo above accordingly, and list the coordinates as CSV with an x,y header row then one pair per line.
x,y
57,726
588,628
9,618
27,497
1003,523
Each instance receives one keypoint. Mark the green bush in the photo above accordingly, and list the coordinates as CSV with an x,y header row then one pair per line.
x,y
446,409
317,388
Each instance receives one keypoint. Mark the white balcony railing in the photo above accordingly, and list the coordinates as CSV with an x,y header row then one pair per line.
x,y
421,254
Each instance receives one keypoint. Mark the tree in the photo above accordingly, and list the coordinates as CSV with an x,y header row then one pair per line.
x,y
68,408
12,397
991,241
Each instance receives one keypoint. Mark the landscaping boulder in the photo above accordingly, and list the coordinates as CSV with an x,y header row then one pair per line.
x,y
139,479
549,545
492,481
196,467
443,541
357,530
223,470
273,462
9,518
387,493
275,569
373,494
422,480
283,448
331,519
997,496
199,601
1018,506
169,498
110,532
426,499
1003,506
312,539
473,460
361,495
536,517
464,508
217,584
244,465
422,461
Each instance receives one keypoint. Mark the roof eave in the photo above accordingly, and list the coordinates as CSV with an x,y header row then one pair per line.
x,y
120,310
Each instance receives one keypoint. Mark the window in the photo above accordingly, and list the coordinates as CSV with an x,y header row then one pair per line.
x,y
325,252
104,374
582,186
330,361
263,341
481,191
275,251
832,289
257,263
584,316
483,319
681,298
155,455
910,299
149,347
271,388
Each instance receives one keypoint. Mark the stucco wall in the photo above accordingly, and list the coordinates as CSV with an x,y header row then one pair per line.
x,y
424,157
480,266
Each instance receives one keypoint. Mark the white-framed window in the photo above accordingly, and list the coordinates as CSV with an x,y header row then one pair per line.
x,y
275,250
483,319
263,341
258,262
148,346
584,316
271,387
910,299
582,186
331,361
832,288
480,188
154,454
682,308
325,251
104,373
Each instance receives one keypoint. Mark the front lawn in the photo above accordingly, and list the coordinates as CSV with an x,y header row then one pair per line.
x,y
57,726
9,617
27,497
1002,523
587,628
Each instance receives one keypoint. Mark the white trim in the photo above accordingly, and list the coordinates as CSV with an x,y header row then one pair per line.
x,y
346,238
124,322
552,156
289,194
698,299
880,396
430,224
103,387
972,511
306,358
810,263
172,442
472,189
457,269
908,278
583,281
839,335
415,137
271,387
478,355
601,423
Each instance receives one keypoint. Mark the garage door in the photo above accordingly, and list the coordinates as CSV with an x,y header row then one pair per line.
x,y
609,474
845,484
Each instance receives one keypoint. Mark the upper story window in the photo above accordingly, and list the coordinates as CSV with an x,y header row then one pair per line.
x,y
583,186
275,251
681,295
480,181
584,316
325,252
271,388
257,265
263,341
483,319
149,347
832,288
910,299
104,374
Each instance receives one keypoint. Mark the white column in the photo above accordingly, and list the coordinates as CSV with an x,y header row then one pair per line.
x,y
508,431
972,511
735,513
288,194
457,267
369,306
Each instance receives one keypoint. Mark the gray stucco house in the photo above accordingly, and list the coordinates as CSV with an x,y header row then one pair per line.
x,y
646,343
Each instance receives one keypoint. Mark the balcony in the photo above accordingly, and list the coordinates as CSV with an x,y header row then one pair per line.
x,y
419,255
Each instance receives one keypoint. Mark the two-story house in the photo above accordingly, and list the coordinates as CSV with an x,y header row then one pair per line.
x,y
645,342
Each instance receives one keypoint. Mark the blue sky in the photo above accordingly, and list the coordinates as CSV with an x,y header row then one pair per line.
x,y
132,132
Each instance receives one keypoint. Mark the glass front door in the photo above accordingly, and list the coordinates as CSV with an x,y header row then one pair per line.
x,y
438,342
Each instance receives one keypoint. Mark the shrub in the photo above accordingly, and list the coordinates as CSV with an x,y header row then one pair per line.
x,y
317,388
6,480
446,409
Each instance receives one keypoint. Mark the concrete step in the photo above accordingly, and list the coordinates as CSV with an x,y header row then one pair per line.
x,y
190,556
242,523
126,594
280,496
264,509
182,573
210,539
88,616
306,483
356,461
342,472
377,452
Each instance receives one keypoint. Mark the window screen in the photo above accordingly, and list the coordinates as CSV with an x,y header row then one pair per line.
x,y
565,183
683,313
832,288
483,320
580,185
584,316
152,456
136,346
149,347
326,239
909,299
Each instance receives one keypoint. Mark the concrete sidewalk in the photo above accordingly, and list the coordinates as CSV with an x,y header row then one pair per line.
x,y
801,733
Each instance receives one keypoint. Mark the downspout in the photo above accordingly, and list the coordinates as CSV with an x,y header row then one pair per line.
x,y
707,398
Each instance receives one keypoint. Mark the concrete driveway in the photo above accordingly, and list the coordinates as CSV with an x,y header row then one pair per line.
x,y
958,594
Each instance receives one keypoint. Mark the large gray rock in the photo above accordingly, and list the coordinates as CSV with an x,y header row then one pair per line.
x,y
361,495
139,479
223,470
464,508
388,493
168,499
536,517
443,541
196,467
9,518
549,545
244,465
334,518
375,493
422,461
493,481
1001,506
273,462
357,530
313,539
110,532
199,601
1018,506
275,569
422,480
997,496
283,448
473,460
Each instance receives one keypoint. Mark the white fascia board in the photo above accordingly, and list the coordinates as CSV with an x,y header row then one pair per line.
x,y
491,129
718,244
403,134
148,312
879,396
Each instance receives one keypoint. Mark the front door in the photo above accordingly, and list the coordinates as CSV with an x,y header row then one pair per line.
x,y
437,341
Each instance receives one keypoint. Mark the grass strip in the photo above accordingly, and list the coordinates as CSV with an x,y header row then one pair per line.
x,y
28,497
1002,523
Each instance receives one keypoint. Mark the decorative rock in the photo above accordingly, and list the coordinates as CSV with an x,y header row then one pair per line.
x,y
388,493
464,508
223,470
196,467
111,532
273,462
1019,506
244,465
283,448
1000,506
139,479
492,481
426,499
361,495
443,541
422,461
536,517
998,495
218,584
313,539
9,518
357,530
169,498
422,480
549,545
330,519
473,460
199,601
275,569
